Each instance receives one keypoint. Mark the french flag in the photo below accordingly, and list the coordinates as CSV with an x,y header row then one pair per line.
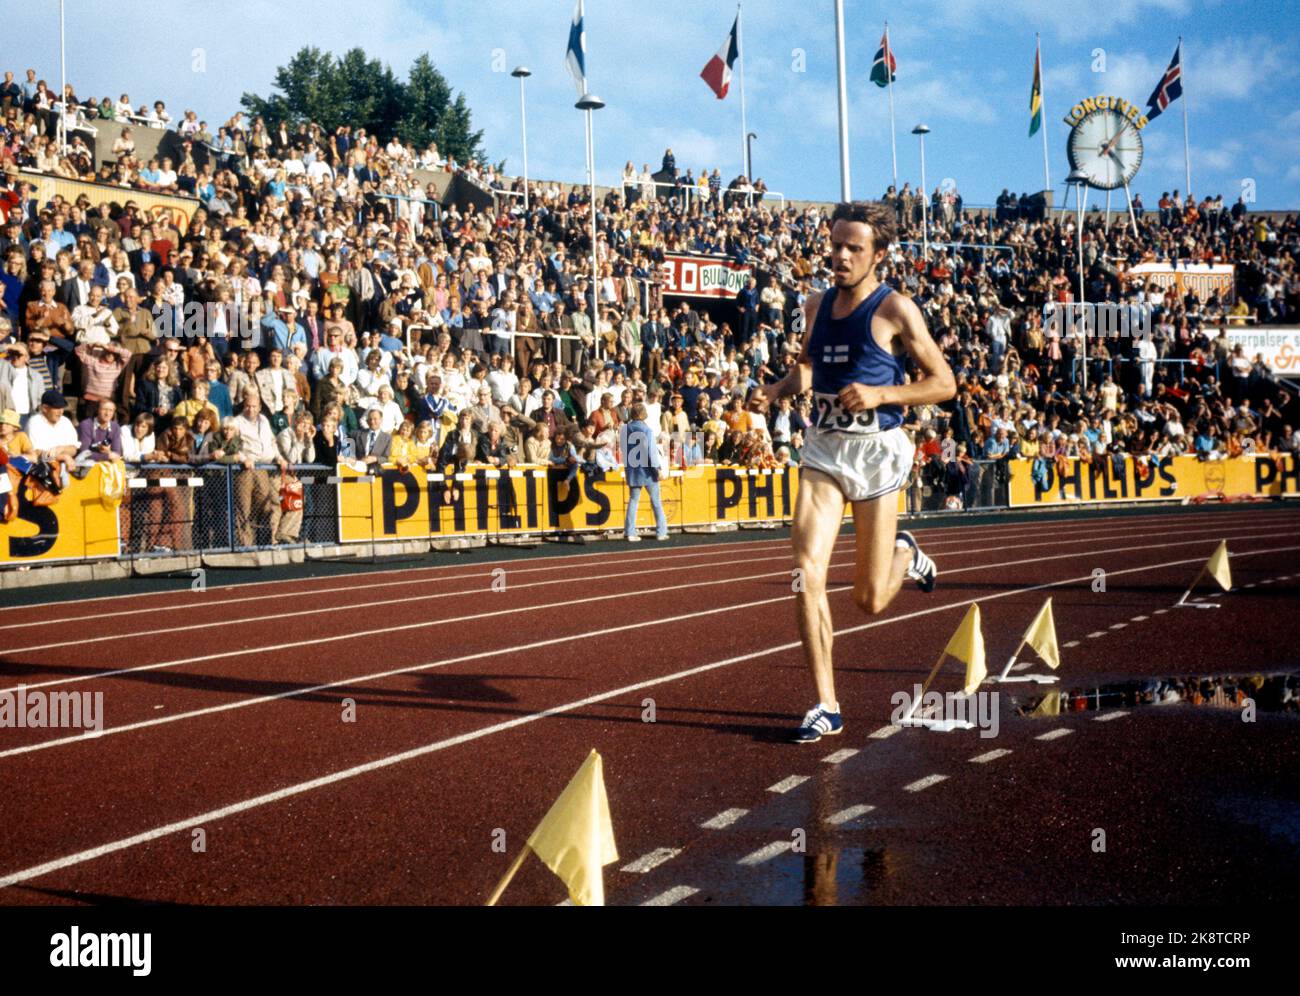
x,y
718,72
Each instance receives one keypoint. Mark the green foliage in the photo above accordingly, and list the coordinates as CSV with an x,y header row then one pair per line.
x,y
352,89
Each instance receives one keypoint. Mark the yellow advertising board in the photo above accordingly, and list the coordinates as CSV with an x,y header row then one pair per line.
x,y
1103,480
407,504
177,210
82,524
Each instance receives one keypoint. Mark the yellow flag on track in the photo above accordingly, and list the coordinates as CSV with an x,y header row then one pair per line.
x,y
967,645
1218,566
576,838
1041,635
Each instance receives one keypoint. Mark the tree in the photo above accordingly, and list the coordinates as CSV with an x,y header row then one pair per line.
x,y
363,92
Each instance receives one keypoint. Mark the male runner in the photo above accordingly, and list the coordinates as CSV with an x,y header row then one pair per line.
x,y
859,333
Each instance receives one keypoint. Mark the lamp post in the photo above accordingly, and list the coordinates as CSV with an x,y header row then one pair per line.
x,y
749,153
920,131
522,73
587,103
1080,181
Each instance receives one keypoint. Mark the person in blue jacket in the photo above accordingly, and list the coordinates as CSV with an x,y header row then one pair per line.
x,y
642,464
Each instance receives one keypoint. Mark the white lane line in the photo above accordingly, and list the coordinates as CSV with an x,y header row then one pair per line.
x,y
1251,585
225,622
992,755
427,575
845,815
766,853
485,578
1219,594
1072,643
334,777
786,784
1022,666
672,897
884,733
840,756
921,784
1093,636
1009,531
590,634
654,859
1118,625
1106,717
1054,734
1159,612
247,651
1139,619
724,819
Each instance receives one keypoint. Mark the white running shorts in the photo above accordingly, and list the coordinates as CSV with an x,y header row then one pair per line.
x,y
864,465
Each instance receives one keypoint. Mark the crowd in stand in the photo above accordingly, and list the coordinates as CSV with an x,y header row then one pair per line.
x,y
318,307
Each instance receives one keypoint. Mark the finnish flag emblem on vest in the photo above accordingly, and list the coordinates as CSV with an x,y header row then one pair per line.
x,y
836,354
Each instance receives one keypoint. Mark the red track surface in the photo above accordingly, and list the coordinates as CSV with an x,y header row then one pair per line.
x,y
223,710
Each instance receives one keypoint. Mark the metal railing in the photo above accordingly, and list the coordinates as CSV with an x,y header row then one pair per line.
x,y
944,486
221,508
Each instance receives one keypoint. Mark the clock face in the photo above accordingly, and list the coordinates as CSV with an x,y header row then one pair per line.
x,y
1107,147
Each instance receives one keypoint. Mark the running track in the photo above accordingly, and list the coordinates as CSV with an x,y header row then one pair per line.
x,y
224,710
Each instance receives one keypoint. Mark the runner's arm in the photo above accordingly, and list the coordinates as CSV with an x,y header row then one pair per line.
x,y
799,377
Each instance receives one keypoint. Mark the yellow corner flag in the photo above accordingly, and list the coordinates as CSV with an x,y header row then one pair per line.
x,y
1041,635
576,838
967,645
1218,566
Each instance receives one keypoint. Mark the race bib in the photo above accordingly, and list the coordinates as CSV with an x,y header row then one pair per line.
x,y
829,416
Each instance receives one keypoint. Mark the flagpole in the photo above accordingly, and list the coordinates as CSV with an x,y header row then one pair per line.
x,y
744,131
1187,151
845,194
505,879
889,75
1042,107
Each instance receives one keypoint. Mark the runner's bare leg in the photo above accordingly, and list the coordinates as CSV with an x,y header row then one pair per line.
x,y
881,566
818,515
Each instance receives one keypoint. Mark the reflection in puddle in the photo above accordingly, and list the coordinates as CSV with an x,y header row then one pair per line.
x,y
844,875
1270,693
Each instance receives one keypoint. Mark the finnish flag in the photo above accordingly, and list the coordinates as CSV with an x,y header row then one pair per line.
x,y
575,59
836,354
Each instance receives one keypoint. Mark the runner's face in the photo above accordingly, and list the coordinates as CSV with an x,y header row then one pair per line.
x,y
852,254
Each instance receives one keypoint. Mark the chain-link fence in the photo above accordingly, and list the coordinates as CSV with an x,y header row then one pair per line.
x,y
176,508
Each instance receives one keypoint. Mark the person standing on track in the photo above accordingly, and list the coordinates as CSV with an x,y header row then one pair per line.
x,y
858,335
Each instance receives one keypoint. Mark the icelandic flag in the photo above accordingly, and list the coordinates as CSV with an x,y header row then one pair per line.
x,y
575,59
1170,87
718,71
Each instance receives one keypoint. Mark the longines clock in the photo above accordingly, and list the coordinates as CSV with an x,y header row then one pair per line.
x,y
1107,147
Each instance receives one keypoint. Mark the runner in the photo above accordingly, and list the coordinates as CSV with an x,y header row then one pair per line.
x,y
859,334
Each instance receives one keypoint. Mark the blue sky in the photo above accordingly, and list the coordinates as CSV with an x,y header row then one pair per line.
x,y
964,68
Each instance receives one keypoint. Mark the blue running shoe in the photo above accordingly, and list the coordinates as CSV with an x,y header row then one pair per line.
x,y
921,569
817,723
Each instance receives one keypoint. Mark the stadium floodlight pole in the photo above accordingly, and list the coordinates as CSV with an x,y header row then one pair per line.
x,y
845,194
522,73
920,131
744,129
749,151
1080,180
63,85
587,103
